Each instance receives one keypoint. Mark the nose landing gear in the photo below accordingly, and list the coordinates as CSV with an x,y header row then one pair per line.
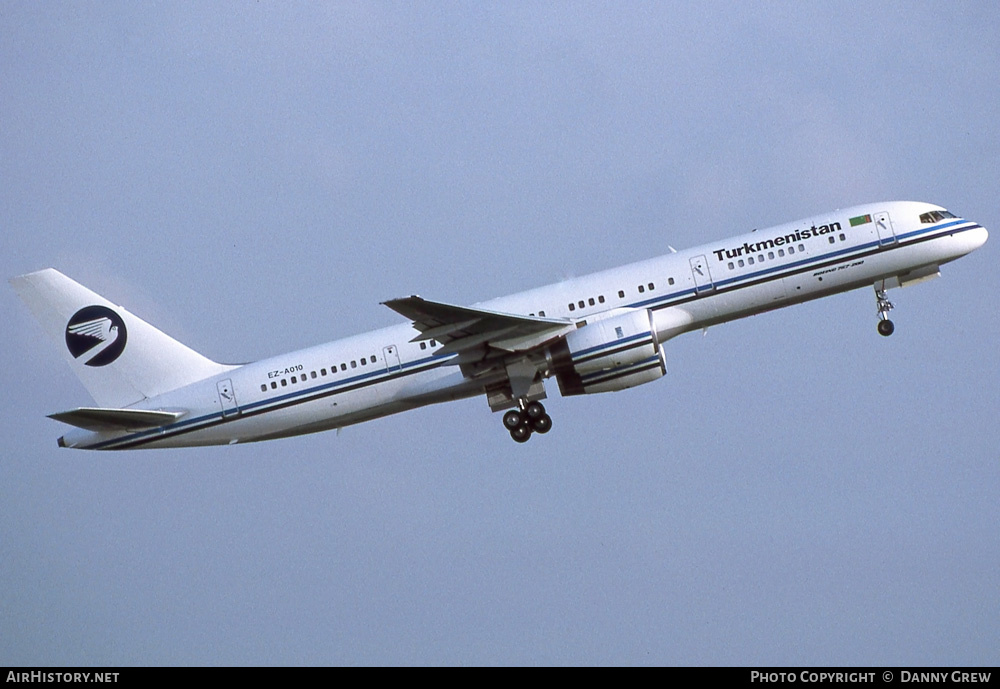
x,y
527,419
885,326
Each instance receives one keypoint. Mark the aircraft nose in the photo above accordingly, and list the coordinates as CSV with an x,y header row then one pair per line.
x,y
978,237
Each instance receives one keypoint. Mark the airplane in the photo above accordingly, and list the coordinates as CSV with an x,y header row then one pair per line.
x,y
598,333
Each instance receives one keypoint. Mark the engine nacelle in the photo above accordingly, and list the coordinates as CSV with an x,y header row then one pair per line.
x,y
611,354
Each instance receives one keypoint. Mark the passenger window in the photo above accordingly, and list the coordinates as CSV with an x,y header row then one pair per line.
x,y
832,240
843,238
274,386
343,367
354,364
581,303
641,289
741,263
591,301
263,387
651,288
670,281
601,298
621,294
572,307
542,314
364,361
284,383
731,266
293,380
770,255
781,252
750,260
791,250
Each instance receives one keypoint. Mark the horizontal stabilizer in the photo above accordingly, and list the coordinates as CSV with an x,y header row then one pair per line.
x,y
99,419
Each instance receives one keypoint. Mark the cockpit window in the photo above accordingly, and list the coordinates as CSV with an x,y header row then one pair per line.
x,y
935,216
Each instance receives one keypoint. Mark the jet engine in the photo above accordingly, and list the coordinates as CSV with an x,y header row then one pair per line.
x,y
609,354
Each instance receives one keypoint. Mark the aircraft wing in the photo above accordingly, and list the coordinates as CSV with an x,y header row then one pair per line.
x,y
461,328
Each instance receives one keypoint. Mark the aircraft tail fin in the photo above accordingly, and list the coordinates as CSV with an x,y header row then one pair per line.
x,y
119,358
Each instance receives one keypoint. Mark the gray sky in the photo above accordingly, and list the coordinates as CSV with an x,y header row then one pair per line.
x,y
257,177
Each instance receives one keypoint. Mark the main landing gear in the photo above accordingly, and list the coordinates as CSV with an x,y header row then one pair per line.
x,y
885,326
527,419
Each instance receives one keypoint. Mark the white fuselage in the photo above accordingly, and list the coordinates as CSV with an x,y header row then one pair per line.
x,y
385,371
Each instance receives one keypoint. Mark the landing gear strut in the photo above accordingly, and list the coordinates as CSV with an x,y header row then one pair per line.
x,y
885,326
528,418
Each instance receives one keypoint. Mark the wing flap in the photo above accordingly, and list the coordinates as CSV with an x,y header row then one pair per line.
x,y
442,331
100,419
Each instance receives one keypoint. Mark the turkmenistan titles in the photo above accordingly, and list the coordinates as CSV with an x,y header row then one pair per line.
x,y
799,235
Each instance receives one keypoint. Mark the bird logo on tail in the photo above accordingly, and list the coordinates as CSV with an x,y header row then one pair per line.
x,y
97,333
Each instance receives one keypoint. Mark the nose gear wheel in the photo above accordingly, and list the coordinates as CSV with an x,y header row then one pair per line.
x,y
885,326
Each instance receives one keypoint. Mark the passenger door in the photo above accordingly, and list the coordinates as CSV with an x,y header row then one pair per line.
x,y
702,278
227,398
883,225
